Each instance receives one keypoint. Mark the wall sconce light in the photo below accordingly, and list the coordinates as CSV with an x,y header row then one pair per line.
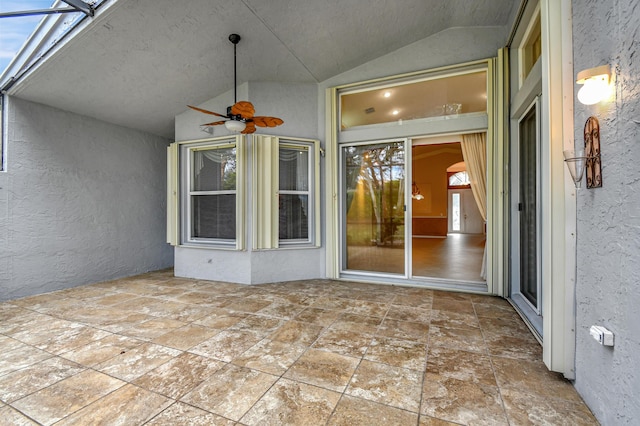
x,y
595,83
415,192
587,158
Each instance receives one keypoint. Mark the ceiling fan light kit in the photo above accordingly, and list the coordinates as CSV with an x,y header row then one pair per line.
x,y
235,125
240,116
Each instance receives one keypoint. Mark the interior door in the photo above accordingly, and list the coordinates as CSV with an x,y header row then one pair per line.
x,y
373,207
464,216
473,223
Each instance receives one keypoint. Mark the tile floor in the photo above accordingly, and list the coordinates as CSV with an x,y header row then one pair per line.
x,y
157,350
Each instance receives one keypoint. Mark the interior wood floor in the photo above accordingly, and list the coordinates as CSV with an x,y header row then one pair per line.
x,y
456,257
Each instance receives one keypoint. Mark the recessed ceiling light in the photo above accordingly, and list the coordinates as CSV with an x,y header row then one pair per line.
x,y
395,112
387,94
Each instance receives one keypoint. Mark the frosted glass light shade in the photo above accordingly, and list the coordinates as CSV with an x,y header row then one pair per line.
x,y
593,91
575,160
596,84
235,126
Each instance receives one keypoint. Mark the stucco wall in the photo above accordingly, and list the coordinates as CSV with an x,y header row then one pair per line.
x,y
608,279
81,201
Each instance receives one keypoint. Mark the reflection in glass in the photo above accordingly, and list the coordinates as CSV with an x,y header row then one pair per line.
x,y
294,169
294,217
214,169
446,96
374,207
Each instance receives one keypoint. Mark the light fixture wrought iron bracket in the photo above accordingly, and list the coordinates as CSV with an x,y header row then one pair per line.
x,y
593,166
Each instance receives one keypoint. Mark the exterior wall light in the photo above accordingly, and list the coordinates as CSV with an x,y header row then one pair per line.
x,y
595,83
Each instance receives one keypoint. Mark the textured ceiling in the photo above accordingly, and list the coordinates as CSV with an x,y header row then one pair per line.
x,y
141,61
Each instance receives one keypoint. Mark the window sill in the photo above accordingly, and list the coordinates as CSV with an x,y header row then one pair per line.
x,y
205,246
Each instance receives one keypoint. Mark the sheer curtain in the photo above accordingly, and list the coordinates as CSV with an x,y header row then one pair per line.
x,y
474,152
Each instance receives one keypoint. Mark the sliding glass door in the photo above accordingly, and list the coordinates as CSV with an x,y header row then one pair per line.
x,y
373,207
528,207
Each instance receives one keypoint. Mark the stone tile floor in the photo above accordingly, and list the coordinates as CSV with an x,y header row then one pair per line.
x,y
157,350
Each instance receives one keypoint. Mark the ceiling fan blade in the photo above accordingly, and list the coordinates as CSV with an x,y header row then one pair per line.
x,y
215,123
207,112
243,108
267,121
251,128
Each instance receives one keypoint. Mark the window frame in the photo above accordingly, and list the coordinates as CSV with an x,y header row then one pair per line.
x,y
186,154
266,192
307,146
3,132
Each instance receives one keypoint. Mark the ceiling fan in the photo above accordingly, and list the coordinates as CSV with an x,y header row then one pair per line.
x,y
240,116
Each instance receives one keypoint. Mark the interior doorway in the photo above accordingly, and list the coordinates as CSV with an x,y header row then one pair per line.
x,y
448,232
464,216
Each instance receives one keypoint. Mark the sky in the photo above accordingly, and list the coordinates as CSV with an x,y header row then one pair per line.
x,y
14,31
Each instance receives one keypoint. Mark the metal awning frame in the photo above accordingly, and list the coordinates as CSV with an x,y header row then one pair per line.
x,y
76,6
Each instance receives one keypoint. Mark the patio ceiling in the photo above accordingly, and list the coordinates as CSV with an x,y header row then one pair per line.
x,y
139,62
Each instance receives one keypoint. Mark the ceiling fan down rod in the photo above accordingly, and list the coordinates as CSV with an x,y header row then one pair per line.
x,y
235,39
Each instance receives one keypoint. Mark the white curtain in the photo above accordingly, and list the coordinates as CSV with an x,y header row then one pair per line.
x,y
474,152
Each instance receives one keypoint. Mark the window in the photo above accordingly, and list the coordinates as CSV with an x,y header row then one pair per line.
x,y
459,180
455,212
531,47
294,193
210,211
435,96
210,201
286,196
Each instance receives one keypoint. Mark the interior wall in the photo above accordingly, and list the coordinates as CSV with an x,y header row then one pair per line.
x,y
430,164
607,289
81,201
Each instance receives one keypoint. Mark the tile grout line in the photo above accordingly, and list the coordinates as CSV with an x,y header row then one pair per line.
x,y
493,370
426,362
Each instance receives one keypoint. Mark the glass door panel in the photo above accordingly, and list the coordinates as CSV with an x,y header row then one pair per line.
x,y
373,212
528,208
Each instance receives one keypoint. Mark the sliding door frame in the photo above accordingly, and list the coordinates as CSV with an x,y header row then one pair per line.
x,y
474,123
